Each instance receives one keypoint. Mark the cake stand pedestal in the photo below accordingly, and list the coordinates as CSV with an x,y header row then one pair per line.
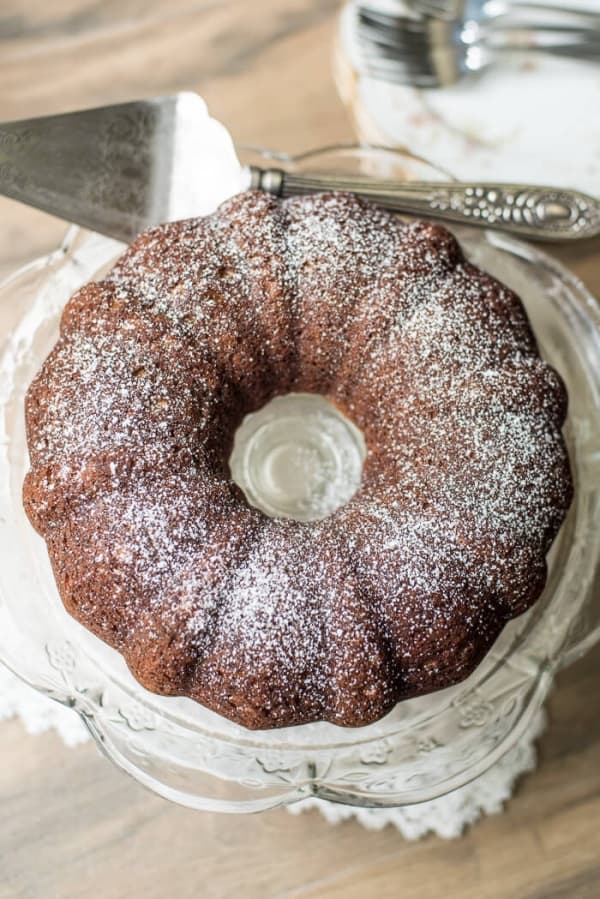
x,y
446,816
449,815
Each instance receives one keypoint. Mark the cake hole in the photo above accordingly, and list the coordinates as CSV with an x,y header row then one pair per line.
x,y
298,457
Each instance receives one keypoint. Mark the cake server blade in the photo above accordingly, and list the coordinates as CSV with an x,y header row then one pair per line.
x,y
119,169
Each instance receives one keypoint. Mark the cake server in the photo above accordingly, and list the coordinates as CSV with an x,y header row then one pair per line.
x,y
122,168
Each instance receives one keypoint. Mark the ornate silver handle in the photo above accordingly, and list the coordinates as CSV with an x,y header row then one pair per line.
x,y
540,213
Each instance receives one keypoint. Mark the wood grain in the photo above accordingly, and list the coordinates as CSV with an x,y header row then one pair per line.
x,y
71,825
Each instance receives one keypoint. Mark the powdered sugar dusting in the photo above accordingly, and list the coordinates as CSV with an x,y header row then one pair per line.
x,y
273,622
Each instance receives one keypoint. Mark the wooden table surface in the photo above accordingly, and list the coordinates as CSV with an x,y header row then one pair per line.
x,y
71,825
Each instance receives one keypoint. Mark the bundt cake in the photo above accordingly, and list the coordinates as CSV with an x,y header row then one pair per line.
x,y
274,622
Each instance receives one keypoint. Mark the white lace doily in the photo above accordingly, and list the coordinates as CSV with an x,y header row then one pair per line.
x,y
36,711
447,816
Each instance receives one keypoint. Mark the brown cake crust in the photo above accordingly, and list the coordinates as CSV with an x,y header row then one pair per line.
x,y
274,622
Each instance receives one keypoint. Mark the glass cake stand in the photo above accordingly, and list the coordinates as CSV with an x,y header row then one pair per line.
x,y
425,747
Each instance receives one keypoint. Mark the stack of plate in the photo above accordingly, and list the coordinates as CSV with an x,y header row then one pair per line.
x,y
532,119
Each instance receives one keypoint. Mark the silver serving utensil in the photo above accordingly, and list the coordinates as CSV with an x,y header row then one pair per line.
x,y
120,169
540,213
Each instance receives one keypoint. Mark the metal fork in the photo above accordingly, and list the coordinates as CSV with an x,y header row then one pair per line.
x,y
433,52
481,10
438,9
